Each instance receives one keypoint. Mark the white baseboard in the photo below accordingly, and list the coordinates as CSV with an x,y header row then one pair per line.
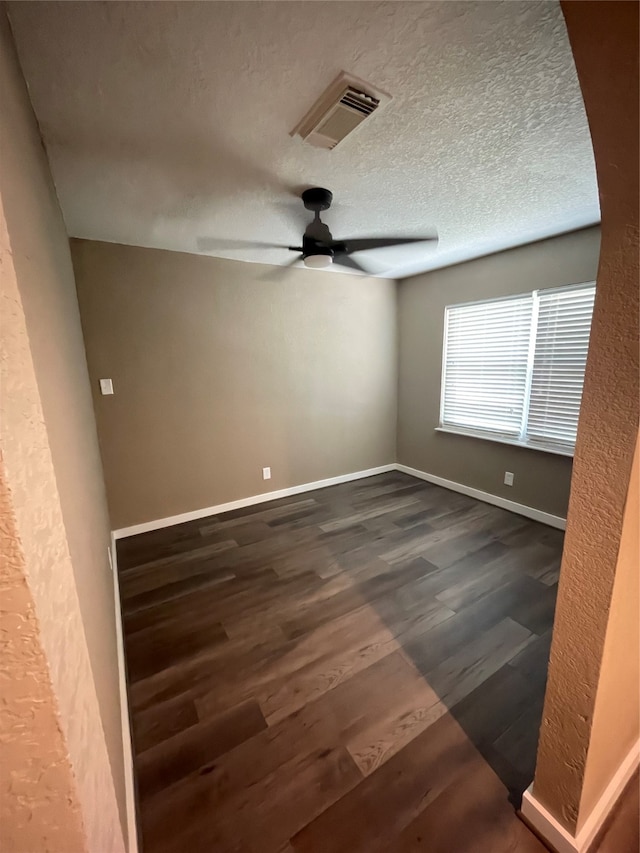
x,y
512,506
127,743
546,825
254,499
602,809
504,503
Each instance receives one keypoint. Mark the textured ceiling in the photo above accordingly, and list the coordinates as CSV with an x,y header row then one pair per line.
x,y
166,122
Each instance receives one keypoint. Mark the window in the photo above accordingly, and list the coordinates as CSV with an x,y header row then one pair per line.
x,y
513,369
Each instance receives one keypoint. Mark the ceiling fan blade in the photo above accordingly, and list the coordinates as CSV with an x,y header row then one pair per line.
x,y
344,260
293,260
210,244
281,269
365,243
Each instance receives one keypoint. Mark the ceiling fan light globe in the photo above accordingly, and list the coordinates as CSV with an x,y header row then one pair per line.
x,y
317,262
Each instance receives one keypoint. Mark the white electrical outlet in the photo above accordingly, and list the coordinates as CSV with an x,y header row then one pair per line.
x,y
106,386
266,473
508,478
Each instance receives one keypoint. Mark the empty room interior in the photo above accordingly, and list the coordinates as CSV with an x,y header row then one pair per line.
x,y
319,427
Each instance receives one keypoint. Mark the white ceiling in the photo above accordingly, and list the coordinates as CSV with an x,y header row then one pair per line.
x,y
169,121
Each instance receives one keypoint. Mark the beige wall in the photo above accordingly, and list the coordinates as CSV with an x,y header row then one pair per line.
x,y
604,41
616,715
52,463
39,807
541,479
219,372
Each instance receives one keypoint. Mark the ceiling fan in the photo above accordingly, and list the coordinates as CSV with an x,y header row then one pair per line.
x,y
319,250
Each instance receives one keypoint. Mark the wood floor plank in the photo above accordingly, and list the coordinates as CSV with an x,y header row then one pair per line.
x,y
487,711
212,666
459,632
443,579
380,508
262,818
143,660
144,547
382,805
445,553
163,721
531,661
471,816
238,598
413,621
458,675
621,833
170,591
536,612
334,718
490,576
156,579
518,743
365,588
264,513
196,747
287,668
185,556
281,696
332,672
408,713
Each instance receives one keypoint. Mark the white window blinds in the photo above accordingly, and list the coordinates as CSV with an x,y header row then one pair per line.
x,y
561,345
514,368
485,365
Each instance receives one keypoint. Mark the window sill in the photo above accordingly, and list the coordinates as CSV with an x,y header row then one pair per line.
x,y
557,451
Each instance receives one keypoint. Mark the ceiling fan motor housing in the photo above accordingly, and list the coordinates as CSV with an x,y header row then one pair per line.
x,y
317,199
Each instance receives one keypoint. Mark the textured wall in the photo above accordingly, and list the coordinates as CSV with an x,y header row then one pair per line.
x,y
52,463
541,479
39,807
605,46
218,372
616,715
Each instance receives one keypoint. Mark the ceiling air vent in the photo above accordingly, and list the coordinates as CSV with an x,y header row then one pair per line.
x,y
346,104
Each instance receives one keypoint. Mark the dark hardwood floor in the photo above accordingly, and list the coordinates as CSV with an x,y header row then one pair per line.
x,y
621,832
353,670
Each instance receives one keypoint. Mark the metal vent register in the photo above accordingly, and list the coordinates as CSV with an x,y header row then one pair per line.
x,y
339,111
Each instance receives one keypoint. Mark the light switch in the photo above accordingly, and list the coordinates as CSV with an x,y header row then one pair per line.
x,y
106,386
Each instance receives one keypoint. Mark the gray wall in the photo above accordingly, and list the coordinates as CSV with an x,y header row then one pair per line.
x,y
219,372
542,480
